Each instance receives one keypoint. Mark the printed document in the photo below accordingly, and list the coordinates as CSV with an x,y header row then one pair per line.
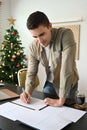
x,y
35,103
37,119
49,118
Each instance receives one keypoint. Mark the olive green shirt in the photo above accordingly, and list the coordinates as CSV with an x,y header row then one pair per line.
x,y
62,51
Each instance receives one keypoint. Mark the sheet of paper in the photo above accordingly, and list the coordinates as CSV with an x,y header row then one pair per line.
x,y
50,118
37,119
35,103
65,112
71,113
46,121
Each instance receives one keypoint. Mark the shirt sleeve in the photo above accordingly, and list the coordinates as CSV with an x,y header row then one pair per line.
x,y
67,63
32,70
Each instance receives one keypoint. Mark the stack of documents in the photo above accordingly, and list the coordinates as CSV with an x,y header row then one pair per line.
x,y
40,116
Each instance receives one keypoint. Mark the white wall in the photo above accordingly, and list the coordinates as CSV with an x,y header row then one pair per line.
x,y
56,10
4,15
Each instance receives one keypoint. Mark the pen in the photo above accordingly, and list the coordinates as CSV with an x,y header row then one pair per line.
x,y
43,107
25,96
24,92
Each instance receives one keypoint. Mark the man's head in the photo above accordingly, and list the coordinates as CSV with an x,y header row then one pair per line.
x,y
40,27
36,19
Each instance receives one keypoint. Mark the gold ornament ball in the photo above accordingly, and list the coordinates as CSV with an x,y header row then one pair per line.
x,y
18,53
14,56
10,76
12,60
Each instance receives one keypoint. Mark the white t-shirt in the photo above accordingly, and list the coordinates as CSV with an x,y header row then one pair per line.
x,y
51,76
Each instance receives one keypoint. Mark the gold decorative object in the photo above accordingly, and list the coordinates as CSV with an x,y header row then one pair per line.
x,y
11,21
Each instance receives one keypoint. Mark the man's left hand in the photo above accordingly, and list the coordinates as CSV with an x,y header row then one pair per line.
x,y
54,102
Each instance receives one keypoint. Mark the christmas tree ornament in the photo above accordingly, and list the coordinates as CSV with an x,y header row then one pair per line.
x,y
18,65
24,66
11,45
17,39
12,60
10,76
3,64
14,56
1,81
13,33
7,33
18,53
8,55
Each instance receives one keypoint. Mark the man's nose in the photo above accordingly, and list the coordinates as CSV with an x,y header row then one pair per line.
x,y
39,39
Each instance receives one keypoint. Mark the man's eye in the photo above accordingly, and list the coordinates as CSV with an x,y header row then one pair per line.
x,y
41,34
34,37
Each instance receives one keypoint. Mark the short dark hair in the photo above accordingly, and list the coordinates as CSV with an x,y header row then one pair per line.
x,y
37,18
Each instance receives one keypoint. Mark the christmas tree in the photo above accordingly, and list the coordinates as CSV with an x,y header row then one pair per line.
x,y
12,55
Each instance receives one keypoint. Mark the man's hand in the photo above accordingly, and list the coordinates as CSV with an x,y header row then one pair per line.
x,y
25,97
54,102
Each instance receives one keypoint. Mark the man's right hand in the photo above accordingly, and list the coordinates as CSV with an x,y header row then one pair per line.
x,y
25,97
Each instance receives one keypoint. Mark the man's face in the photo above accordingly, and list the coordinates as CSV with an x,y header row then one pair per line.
x,y
42,34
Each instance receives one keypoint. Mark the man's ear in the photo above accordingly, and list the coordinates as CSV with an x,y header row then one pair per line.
x,y
50,25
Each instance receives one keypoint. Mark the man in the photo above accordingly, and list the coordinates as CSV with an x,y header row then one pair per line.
x,y
55,49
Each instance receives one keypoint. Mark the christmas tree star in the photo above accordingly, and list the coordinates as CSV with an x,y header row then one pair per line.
x,y
11,21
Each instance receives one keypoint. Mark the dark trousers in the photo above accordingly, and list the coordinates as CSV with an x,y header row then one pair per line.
x,y
49,91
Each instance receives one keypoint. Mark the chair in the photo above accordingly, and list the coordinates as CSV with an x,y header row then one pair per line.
x,y
22,77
